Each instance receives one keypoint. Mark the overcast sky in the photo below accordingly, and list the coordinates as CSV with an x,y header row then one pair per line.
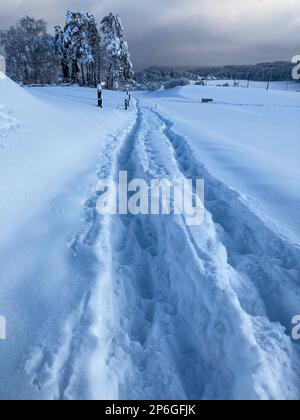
x,y
185,32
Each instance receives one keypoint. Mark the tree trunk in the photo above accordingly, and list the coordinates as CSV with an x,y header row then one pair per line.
x,y
82,75
65,70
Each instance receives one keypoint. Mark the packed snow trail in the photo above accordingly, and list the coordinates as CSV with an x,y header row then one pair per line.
x,y
177,347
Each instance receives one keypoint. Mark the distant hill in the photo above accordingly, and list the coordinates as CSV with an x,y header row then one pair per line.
x,y
277,71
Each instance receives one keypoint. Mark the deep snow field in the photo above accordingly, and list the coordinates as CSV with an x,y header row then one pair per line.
x,y
146,307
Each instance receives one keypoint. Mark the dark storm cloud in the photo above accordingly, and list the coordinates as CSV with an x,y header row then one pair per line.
x,y
190,32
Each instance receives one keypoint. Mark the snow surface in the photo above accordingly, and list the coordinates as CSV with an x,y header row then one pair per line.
x,y
53,143
147,307
248,138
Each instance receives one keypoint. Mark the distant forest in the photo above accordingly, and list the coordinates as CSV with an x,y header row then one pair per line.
x,y
278,71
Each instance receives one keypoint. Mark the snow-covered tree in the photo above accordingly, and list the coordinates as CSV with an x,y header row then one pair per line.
x,y
80,39
62,53
117,63
94,41
30,52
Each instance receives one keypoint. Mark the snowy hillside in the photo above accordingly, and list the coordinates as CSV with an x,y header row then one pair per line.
x,y
45,144
146,307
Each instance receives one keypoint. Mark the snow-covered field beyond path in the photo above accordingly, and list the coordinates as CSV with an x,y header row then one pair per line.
x,y
249,139
141,306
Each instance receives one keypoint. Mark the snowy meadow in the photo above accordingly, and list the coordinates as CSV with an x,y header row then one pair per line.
x,y
149,225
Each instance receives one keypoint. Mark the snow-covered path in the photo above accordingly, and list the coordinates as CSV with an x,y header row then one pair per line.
x,y
147,307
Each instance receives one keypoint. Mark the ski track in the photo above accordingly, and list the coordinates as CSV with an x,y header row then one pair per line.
x,y
168,307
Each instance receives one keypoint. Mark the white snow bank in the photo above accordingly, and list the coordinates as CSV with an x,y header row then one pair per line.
x,y
52,144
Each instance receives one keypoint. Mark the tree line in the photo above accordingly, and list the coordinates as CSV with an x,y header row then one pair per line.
x,y
277,71
82,52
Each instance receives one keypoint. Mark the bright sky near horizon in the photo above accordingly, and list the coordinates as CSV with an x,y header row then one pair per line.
x,y
193,32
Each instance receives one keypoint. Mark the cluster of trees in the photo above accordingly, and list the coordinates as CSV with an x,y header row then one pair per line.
x,y
30,52
157,77
77,47
81,52
161,74
183,81
278,71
